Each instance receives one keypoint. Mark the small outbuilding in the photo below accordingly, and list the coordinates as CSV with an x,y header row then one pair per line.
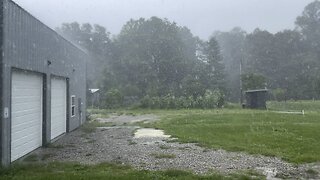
x,y
256,99
94,97
42,83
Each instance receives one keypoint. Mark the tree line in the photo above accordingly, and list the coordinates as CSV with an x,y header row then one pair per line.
x,y
149,58
155,61
286,62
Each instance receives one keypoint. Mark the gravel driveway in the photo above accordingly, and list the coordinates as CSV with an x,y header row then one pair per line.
x,y
118,144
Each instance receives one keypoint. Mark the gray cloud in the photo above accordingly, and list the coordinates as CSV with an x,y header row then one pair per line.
x,y
203,17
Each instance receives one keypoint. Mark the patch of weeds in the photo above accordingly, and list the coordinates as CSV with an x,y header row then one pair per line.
x,y
253,174
171,140
184,148
88,128
134,131
143,164
87,138
46,156
131,114
131,142
95,116
164,147
312,173
102,124
163,156
107,124
205,150
175,173
245,175
119,113
282,176
70,145
31,158
117,161
91,141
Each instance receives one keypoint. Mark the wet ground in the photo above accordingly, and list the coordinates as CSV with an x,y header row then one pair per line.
x,y
151,149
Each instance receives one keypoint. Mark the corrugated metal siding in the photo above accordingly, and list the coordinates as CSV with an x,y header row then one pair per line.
x,y
1,112
28,44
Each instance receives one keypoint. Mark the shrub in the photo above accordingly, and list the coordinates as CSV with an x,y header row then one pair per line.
x,y
113,99
211,99
279,94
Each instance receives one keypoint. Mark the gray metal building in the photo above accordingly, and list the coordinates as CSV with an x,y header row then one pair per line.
x,y
42,83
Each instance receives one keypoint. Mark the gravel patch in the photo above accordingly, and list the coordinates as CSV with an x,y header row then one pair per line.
x,y
118,144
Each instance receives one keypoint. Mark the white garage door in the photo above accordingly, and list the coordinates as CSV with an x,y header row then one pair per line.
x,y
58,107
26,114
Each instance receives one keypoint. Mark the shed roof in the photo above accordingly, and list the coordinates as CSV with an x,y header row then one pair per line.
x,y
94,90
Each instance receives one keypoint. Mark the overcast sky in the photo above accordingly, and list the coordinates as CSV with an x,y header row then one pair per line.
x,y
203,17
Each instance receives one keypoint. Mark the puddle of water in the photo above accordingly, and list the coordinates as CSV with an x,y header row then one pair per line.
x,y
270,173
149,132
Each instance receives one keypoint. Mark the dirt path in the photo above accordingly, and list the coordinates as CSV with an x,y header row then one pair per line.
x,y
152,150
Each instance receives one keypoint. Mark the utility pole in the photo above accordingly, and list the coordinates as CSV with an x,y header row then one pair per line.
x,y
241,90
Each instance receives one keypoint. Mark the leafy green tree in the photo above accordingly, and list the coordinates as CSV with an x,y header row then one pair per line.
x,y
215,68
97,43
113,99
309,24
252,81
233,51
154,55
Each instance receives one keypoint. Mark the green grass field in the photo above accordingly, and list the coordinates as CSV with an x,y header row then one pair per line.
x,y
295,105
294,138
72,171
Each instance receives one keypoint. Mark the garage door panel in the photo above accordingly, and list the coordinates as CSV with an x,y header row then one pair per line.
x,y
25,129
26,113
24,100
27,147
26,141
58,106
28,107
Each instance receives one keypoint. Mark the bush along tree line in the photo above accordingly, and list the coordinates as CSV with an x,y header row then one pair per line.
x,y
159,64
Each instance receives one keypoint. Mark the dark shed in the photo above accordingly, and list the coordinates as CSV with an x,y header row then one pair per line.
x,y
256,99
42,83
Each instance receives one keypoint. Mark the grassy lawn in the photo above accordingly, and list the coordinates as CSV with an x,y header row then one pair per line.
x,y
295,105
71,171
294,138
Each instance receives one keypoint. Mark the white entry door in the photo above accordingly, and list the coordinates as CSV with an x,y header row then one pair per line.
x,y
26,113
58,106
